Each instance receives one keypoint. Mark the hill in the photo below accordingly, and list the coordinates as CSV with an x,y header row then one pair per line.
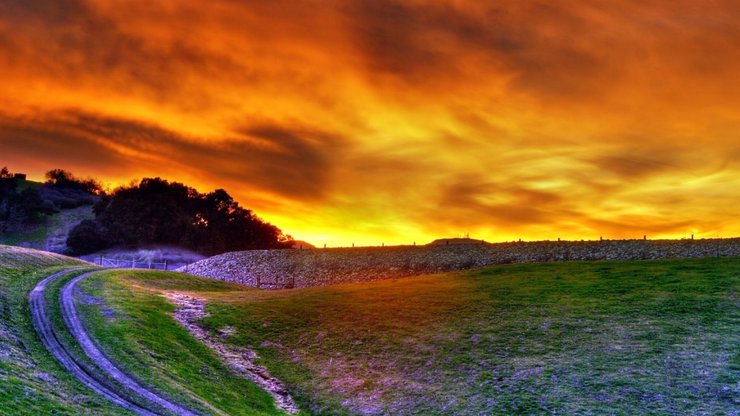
x,y
302,245
70,215
51,235
275,269
447,241
604,337
41,215
22,260
31,381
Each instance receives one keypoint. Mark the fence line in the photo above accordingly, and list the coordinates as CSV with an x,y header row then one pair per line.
x,y
131,264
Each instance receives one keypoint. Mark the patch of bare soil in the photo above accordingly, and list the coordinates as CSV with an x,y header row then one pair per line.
x,y
190,310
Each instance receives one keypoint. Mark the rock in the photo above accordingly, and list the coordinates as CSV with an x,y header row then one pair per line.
x,y
285,269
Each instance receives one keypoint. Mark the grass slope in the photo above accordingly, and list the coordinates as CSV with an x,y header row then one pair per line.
x,y
31,381
55,227
639,337
134,325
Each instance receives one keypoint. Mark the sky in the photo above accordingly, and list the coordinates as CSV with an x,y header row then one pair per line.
x,y
392,121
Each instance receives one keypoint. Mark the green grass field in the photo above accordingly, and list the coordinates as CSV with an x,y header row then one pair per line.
x,y
31,381
639,337
134,324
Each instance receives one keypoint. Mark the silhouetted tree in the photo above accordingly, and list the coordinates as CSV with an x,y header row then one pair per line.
x,y
157,211
62,179
86,237
222,225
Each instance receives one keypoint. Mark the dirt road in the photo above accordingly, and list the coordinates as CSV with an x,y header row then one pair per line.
x,y
123,390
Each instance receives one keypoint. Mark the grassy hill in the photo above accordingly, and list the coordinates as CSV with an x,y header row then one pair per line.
x,y
607,337
31,381
134,324
616,337
52,234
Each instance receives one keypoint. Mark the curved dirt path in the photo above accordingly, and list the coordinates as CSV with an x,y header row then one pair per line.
x,y
151,404
46,332
75,326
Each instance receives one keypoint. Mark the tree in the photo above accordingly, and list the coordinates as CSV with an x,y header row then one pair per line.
x,y
23,210
19,211
222,225
62,179
87,237
59,177
157,211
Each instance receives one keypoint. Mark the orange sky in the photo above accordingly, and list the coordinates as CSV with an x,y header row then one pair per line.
x,y
393,121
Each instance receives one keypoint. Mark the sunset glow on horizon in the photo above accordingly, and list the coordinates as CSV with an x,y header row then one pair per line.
x,y
391,122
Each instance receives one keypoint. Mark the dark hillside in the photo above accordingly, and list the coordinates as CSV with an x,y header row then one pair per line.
x,y
40,214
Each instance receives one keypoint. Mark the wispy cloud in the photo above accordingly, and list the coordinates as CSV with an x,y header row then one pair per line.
x,y
392,120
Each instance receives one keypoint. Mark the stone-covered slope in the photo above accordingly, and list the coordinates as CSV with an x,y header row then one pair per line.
x,y
277,269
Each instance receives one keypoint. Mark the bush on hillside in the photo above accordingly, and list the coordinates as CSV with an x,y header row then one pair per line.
x,y
61,179
65,191
19,211
86,238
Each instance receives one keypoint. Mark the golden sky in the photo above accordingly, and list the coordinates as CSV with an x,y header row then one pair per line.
x,y
393,121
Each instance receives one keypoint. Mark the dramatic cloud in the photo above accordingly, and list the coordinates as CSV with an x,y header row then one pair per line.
x,y
393,120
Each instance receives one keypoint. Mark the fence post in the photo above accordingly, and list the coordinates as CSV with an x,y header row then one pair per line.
x,y
165,264
133,264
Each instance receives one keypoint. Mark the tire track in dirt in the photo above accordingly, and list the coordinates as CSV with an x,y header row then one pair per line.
x,y
74,325
42,322
98,378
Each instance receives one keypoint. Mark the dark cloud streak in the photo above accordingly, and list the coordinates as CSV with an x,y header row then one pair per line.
x,y
297,164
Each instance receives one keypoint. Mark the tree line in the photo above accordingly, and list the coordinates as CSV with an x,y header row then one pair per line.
x,y
156,211
153,211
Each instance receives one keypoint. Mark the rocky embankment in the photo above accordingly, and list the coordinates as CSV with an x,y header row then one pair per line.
x,y
278,269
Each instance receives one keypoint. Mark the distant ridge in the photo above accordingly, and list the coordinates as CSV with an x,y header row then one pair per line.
x,y
449,241
302,245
